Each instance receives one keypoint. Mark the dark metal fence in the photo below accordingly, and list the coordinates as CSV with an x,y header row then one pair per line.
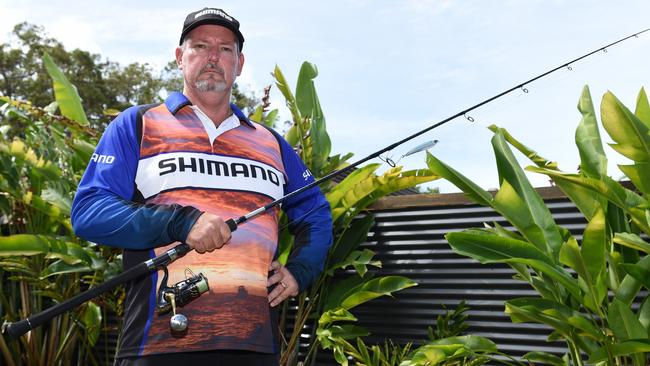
x,y
408,238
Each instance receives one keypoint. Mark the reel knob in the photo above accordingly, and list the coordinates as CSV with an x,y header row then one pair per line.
x,y
178,323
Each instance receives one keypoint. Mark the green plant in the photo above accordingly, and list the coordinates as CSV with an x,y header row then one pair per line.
x,y
451,324
452,349
574,277
41,261
347,280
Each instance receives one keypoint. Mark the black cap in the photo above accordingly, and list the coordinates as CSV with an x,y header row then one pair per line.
x,y
211,16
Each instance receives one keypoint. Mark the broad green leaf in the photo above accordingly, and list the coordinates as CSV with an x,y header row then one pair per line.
x,y
624,323
306,97
309,106
509,204
586,327
639,174
353,196
394,180
593,162
23,244
356,177
540,311
341,289
528,152
339,356
545,358
619,349
92,321
589,261
644,314
285,240
471,189
594,246
628,201
363,350
472,342
487,247
57,199
293,134
501,231
359,260
630,286
553,272
643,107
629,133
639,273
257,114
71,253
39,204
61,267
383,286
46,169
425,355
348,331
571,256
83,149
65,93
335,315
509,170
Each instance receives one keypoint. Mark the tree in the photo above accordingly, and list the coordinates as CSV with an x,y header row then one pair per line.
x,y
105,87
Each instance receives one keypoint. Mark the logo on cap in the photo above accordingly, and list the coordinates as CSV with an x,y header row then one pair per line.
x,y
213,11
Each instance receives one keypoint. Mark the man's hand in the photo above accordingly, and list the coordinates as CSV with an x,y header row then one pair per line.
x,y
209,232
286,285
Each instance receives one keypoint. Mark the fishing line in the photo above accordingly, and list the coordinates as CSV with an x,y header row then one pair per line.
x,y
17,329
233,223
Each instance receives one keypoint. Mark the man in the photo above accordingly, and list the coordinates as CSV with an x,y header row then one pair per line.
x,y
173,172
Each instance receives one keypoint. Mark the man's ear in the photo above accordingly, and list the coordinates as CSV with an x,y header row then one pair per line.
x,y
241,63
179,58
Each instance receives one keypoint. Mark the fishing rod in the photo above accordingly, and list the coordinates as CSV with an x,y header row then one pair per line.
x,y
17,329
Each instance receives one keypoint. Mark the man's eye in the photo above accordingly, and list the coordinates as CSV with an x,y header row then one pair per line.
x,y
226,49
200,46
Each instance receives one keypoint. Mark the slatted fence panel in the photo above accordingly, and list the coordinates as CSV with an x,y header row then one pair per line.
x,y
408,238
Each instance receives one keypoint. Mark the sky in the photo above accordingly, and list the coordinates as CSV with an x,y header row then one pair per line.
x,y
389,68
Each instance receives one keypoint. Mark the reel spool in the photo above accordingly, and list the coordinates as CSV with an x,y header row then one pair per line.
x,y
180,295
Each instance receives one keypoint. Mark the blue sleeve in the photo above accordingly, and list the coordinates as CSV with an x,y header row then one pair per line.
x,y
106,210
310,220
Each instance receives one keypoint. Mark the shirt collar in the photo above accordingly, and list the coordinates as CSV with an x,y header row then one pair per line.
x,y
175,101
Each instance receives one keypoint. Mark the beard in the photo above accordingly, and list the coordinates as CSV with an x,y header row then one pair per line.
x,y
210,84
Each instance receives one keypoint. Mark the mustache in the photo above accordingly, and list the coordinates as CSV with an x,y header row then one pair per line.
x,y
212,67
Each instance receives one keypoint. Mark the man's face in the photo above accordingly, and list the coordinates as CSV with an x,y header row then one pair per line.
x,y
209,59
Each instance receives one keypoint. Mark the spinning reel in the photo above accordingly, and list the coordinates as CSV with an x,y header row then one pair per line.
x,y
180,294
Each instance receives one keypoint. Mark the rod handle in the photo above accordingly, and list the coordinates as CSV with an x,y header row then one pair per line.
x,y
231,224
17,329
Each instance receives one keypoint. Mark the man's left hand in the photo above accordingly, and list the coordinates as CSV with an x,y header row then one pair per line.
x,y
285,284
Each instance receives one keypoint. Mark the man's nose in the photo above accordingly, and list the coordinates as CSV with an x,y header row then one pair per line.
x,y
213,54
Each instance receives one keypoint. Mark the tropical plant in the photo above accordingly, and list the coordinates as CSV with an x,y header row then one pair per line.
x,y
446,345
587,284
346,281
41,261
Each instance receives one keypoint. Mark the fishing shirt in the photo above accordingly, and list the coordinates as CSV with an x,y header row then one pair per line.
x,y
156,169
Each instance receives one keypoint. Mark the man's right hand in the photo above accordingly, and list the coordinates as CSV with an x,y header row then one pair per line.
x,y
209,232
